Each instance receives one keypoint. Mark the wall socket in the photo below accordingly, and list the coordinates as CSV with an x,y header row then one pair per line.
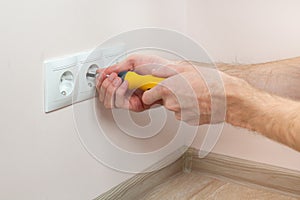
x,y
66,80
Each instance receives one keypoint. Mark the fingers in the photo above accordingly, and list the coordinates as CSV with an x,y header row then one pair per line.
x,y
103,87
112,92
101,76
109,100
107,89
120,98
162,93
153,95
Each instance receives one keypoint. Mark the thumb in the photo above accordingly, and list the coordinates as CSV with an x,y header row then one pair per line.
x,y
165,71
151,96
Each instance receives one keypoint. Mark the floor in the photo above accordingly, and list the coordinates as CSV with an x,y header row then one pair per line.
x,y
197,186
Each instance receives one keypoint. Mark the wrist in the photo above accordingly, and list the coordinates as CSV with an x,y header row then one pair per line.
x,y
240,104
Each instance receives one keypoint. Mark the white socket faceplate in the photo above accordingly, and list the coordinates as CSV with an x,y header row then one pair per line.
x,y
65,78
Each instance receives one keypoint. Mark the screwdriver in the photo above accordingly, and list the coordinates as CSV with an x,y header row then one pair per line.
x,y
135,81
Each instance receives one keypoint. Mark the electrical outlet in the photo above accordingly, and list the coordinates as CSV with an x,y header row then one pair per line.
x,y
66,79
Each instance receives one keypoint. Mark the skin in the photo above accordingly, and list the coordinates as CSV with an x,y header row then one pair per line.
x,y
113,93
262,97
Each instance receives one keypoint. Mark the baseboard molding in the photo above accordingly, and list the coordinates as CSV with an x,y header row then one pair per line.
x,y
247,172
138,185
233,169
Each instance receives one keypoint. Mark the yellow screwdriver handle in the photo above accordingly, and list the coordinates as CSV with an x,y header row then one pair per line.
x,y
143,82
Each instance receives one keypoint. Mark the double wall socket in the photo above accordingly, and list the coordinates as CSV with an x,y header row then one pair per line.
x,y
66,79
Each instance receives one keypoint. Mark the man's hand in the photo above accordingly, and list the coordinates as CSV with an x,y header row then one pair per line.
x,y
191,93
113,93
187,90
197,96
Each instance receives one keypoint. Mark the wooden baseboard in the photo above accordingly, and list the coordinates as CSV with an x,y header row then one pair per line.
x,y
246,172
140,184
229,168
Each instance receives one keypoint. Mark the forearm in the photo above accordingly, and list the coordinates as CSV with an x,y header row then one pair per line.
x,y
280,77
275,117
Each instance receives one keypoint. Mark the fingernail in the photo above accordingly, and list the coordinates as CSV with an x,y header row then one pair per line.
x,y
116,82
111,78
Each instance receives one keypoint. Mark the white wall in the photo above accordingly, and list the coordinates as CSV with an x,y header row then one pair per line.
x,y
41,155
247,32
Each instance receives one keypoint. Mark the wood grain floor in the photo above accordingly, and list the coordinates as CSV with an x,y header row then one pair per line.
x,y
198,186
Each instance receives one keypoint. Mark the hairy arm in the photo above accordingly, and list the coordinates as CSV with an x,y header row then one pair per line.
x,y
275,117
262,108
252,93
281,78
265,98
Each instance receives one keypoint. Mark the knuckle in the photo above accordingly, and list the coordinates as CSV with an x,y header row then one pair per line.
x,y
172,105
164,91
132,57
107,105
177,115
192,122
105,83
110,91
130,61
168,105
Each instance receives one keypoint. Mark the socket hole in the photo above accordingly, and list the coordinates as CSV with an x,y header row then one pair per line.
x,y
91,70
66,85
